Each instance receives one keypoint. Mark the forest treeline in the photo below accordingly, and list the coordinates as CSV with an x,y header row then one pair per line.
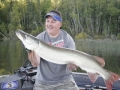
x,y
91,18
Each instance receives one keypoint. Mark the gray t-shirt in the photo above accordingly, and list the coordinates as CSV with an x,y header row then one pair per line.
x,y
51,73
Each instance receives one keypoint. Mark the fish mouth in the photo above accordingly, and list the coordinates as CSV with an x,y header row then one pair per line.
x,y
20,35
17,33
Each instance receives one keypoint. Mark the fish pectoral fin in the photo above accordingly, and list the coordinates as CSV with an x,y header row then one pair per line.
x,y
93,76
100,60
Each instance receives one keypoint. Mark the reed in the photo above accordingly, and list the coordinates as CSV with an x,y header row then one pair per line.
x,y
107,49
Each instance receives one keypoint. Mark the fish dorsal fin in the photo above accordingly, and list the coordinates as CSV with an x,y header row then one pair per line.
x,y
93,76
100,60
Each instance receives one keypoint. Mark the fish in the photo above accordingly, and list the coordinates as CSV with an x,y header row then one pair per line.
x,y
59,55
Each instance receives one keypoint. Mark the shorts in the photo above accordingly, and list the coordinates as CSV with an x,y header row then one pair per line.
x,y
66,85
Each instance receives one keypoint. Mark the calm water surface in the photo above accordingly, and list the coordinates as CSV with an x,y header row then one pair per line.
x,y
13,54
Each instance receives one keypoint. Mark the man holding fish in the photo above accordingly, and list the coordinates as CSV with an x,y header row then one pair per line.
x,y
51,76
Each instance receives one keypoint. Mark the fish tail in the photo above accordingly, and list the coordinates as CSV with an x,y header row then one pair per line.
x,y
109,82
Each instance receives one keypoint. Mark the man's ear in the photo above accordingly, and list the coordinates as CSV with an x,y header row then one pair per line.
x,y
60,24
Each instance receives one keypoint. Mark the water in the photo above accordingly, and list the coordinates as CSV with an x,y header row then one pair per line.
x,y
13,54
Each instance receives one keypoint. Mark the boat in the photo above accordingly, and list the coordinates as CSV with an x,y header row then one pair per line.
x,y
24,79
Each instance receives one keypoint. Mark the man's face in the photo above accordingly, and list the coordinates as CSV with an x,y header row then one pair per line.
x,y
52,26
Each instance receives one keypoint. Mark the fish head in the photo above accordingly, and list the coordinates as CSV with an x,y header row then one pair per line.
x,y
29,41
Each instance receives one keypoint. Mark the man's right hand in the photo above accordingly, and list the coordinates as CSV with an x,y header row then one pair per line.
x,y
34,58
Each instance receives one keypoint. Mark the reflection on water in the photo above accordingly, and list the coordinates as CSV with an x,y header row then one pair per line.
x,y
13,55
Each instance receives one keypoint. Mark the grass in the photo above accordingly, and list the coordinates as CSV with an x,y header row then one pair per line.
x,y
107,49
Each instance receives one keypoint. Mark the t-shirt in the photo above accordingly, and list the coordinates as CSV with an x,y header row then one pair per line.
x,y
51,73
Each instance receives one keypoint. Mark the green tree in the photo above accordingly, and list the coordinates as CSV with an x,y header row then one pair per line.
x,y
15,19
4,17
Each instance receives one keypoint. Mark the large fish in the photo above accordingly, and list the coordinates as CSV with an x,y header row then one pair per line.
x,y
64,56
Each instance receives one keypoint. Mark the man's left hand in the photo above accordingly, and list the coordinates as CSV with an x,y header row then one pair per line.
x,y
72,66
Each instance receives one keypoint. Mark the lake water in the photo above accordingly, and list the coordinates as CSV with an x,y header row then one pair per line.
x,y
13,54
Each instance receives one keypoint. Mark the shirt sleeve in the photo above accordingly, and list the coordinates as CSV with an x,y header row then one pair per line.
x,y
71,43
38,36
41,36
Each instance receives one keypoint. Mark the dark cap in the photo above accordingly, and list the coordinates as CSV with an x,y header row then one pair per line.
x,y
54,15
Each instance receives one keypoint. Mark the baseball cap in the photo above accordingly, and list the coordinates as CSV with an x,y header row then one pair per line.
x,y
54,15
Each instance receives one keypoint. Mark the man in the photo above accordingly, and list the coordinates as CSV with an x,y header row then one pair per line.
x,y
51,76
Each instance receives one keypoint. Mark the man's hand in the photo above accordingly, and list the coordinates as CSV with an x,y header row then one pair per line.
x,y
100,60
72,66
34,58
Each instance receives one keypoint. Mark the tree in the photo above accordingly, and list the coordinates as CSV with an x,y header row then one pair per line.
x,y
14,19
